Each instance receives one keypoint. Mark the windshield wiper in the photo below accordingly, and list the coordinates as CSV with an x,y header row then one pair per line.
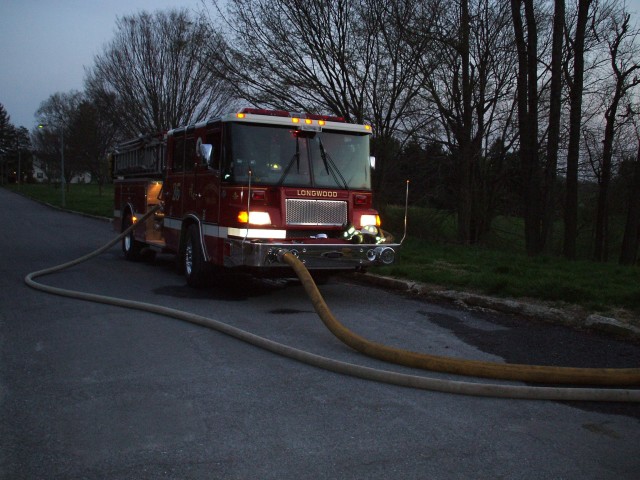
x,y
330,166
296,156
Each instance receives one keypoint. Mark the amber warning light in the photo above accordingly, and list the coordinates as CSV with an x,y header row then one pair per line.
x,y
308,121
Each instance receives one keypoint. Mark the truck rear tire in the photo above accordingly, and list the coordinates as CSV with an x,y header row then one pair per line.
x,y
195,267
130,246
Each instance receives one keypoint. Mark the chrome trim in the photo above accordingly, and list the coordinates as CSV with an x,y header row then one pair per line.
x,y
303,211
250,233
342,256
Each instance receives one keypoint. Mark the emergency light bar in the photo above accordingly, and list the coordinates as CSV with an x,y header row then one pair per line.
x,y
284,113
301,121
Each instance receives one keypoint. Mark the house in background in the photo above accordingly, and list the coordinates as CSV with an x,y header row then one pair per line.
x,y
40,176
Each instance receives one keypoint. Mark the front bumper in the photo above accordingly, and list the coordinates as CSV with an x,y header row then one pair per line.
x,y
315,256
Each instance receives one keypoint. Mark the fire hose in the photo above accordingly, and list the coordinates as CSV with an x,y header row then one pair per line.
x,y
473,368
530,373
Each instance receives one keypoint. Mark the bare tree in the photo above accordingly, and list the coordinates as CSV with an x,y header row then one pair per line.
x,y
154,74
526,39
631,236
469,81
553,131
92,135
296,55
350,58
402,33
438,72
52,142
576,88
624,62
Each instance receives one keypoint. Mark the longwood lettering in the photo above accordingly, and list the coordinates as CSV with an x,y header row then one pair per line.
x,y
316,193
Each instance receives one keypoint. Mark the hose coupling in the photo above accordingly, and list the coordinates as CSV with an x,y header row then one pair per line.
x,y
383,255
281,252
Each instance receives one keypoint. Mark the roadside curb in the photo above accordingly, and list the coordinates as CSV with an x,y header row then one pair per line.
x,y
571,317
82,214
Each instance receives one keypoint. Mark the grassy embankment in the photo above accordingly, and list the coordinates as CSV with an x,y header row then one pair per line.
x,y
500,268
85,198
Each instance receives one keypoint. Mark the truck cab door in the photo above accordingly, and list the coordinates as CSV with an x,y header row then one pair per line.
x,y
190,192
207,176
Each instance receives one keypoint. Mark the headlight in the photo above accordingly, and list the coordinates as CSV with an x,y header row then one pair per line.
x,y
254,218
366,220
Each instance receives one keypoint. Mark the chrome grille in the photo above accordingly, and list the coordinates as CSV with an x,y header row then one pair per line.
x,y
316,212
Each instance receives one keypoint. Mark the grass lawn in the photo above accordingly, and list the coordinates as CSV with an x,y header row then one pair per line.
x,y
79,197
599,287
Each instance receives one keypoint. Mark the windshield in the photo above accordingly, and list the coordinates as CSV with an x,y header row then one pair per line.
x,y
284,156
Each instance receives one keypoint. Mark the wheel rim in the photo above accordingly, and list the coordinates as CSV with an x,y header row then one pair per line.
x,y
127,241
188,257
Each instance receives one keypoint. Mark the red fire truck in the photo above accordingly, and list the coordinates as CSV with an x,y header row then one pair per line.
x,y
237,190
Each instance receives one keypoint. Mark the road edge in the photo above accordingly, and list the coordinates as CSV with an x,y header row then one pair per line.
x,y
571,316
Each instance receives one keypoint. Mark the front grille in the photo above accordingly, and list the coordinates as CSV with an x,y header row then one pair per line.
x,y
316,212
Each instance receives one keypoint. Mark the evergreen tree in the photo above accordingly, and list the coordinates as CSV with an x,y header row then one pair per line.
x,y
7,131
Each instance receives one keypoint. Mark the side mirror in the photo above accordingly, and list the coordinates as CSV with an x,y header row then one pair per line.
x,y
203,151
372,162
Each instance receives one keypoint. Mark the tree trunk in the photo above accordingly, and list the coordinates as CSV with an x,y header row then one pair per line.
x,y
602,215
553,139
528,122
629,250
575,123
466,150
625,79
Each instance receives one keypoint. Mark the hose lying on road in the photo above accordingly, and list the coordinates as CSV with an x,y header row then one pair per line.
x,y
413,381
470,368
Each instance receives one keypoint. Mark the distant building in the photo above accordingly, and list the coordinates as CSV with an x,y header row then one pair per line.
x,y
40,175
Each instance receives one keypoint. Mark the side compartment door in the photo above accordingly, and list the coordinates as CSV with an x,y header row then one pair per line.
x,y
173,188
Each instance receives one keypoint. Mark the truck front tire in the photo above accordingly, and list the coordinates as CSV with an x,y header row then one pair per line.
x,y
195,267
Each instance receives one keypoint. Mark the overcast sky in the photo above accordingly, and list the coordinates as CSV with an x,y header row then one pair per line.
x,y
45,45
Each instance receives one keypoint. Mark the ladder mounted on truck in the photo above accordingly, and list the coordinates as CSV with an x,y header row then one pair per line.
x,y
140,157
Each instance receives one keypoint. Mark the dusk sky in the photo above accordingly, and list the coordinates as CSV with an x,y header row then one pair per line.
x,y
46,44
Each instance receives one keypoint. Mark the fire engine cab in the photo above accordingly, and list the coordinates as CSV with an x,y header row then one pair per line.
x,y
236,190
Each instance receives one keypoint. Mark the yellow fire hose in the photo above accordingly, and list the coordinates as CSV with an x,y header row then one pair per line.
x,y
470,368
443,364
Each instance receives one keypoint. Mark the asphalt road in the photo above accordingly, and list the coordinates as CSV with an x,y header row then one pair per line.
x,y
92,391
